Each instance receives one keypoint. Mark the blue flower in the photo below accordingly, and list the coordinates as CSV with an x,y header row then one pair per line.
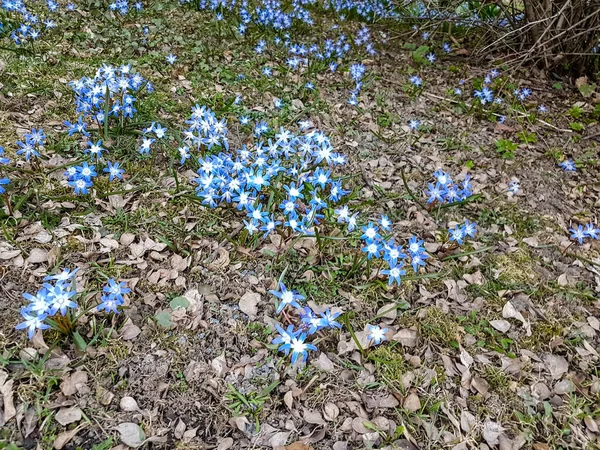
x,y
592,231
171,58
394,272
442,177
2,159
64,275
311,323
578,234
327,319
568,165
435,193
415,80
80,185
470,228
3,182
95,149
514,187
32,322
109,303
418,260
59,297
298,348
457,234
27,148
285,337
377,334
372,249
287,298
115,289
413,124
385,223
370,232
391,253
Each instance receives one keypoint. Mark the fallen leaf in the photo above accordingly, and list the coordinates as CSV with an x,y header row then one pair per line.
x,y
179,429
65,416
510,312
331,411
501,325
312,416
130,331
249,304
74,383
323,363
37,256
219,365
467,421
491,432
225,443
279,439
29,422
65,437
556,365
299,446
406,337
7,395
412,403
131,434
128,404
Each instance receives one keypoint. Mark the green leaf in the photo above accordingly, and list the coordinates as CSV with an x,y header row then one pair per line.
x,y
587,89
163,318
179,302
419,55
558,86
79,342
409,46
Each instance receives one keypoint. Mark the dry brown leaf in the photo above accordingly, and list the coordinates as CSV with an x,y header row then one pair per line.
x,y
65,416
556,365
130,332
131,434
74,382
225,443
249,304
7,395
331,411
65,437
313,417
299,446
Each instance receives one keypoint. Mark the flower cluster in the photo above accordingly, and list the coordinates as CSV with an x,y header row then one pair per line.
x,y
580,233
29,26
57,298
357,72
119,86
123,7
294,340
445,191
204,130
378,247
112,296
460,232
287,165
